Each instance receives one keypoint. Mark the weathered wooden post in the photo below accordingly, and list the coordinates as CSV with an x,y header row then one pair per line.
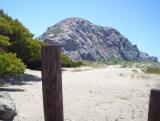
x,y
154,105
52,83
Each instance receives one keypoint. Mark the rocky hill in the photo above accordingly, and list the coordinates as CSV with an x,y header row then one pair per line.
x,y
82,40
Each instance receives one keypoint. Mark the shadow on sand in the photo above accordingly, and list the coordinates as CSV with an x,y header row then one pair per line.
x,y
23,79
20,80
17,80
11,89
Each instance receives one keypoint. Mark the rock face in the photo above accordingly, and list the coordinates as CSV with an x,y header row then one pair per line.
x,y
82,40
7,107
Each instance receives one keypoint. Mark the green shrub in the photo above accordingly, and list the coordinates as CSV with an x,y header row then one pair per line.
x,y
153,69
95,64
10,65
20,39
30,52
4,42
77,63
35,64
115,61
67,62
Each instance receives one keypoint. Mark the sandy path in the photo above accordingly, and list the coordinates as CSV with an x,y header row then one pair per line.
x,y
106,94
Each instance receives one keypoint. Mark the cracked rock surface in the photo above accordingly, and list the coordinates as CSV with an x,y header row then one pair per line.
x,y
82,40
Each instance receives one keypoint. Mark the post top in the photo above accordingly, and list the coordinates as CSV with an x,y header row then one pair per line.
x,y
50,46
155,90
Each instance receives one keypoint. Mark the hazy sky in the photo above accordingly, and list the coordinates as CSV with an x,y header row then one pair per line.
x,y
138,20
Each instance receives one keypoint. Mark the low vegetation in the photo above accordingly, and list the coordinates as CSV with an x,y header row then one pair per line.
x,y
146,67
94,64
10,65
15,38
115,61
67,62
153,69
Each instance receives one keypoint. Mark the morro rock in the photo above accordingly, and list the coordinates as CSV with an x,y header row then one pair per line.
x,y
82,40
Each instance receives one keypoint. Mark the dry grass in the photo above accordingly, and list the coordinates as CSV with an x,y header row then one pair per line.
x,y
153,69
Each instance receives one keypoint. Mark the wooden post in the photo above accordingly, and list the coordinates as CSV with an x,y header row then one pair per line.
x,y
154,105
52,83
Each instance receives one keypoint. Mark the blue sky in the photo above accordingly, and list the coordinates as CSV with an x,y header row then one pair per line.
x,y
138,20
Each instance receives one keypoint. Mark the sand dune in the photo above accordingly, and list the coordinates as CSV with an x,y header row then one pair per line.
x,y
105,94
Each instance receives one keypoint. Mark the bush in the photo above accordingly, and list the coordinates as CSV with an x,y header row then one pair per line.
x,y
67,62
10,65
77,63
30,52
153,69
20,41
4,42
36,64
115,61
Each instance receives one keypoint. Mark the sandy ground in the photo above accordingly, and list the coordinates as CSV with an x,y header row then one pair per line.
x,y
105,94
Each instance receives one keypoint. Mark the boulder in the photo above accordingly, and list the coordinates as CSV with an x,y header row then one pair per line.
x,y
7,107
